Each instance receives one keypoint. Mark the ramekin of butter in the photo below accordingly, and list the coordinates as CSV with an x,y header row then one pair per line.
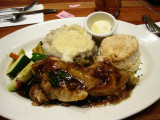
x,y
100,24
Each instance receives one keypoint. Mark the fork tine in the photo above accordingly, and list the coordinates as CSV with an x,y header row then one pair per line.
x,y
156,28
151,23
145,19
151,26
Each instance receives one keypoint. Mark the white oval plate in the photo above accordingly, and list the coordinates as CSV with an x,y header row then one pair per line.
x,y
13,106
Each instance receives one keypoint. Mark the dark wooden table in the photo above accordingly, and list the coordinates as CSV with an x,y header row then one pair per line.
x,y
131,11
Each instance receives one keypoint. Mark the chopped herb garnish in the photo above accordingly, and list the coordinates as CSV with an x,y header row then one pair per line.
x,y
138,76
56,77
135,72
37,56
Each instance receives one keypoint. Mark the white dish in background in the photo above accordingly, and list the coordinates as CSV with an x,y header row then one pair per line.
x,y
96,16
145,93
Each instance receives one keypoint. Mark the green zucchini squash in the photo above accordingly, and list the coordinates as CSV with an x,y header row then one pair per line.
x,y
24,76
19,53
18,65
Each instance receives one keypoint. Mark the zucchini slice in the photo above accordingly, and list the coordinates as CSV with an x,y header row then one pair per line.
x,y
18,65
25,75
19,53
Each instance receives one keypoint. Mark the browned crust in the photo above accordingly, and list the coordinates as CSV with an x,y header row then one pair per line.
x,y
118,48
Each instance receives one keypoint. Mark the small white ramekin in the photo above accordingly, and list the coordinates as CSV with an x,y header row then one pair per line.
x,y
91,18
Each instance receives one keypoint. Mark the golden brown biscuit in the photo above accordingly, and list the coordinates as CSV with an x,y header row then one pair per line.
x,y
122,50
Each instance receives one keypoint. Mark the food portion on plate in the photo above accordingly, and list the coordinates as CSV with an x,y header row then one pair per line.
x,y
101,27
68,68
122,50
68,42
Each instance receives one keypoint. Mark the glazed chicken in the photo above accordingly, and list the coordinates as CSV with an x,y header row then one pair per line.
x,y
56,79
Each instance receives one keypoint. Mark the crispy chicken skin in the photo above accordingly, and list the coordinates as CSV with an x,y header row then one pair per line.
x,y
37,95
70,89
111,80
99,79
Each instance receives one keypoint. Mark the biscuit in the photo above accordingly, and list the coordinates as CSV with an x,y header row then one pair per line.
x,y
122,50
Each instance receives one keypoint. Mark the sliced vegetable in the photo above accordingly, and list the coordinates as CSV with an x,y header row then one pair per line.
x,y
13,56
21,52
37,56
18,54
24,76
18,65
38,48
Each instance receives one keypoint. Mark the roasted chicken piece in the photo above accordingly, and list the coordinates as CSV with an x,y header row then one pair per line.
x,y
55,78
111,81
38,96
70,82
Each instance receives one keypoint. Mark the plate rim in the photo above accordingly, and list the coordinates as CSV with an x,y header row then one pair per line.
x,y
28,27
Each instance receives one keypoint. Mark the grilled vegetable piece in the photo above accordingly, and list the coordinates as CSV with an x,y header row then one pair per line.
x,y
38,48
37,56
19,53
22,77
18,65
13,56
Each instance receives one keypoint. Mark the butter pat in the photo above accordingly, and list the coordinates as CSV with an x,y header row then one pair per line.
x,y
101,27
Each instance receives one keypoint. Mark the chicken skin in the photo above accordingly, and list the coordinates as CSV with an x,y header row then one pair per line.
x,y
70,82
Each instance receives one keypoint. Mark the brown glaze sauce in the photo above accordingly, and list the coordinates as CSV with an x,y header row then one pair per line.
x,y
103,100
66,80
73,84
89,101
105,75
95,101
52,68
